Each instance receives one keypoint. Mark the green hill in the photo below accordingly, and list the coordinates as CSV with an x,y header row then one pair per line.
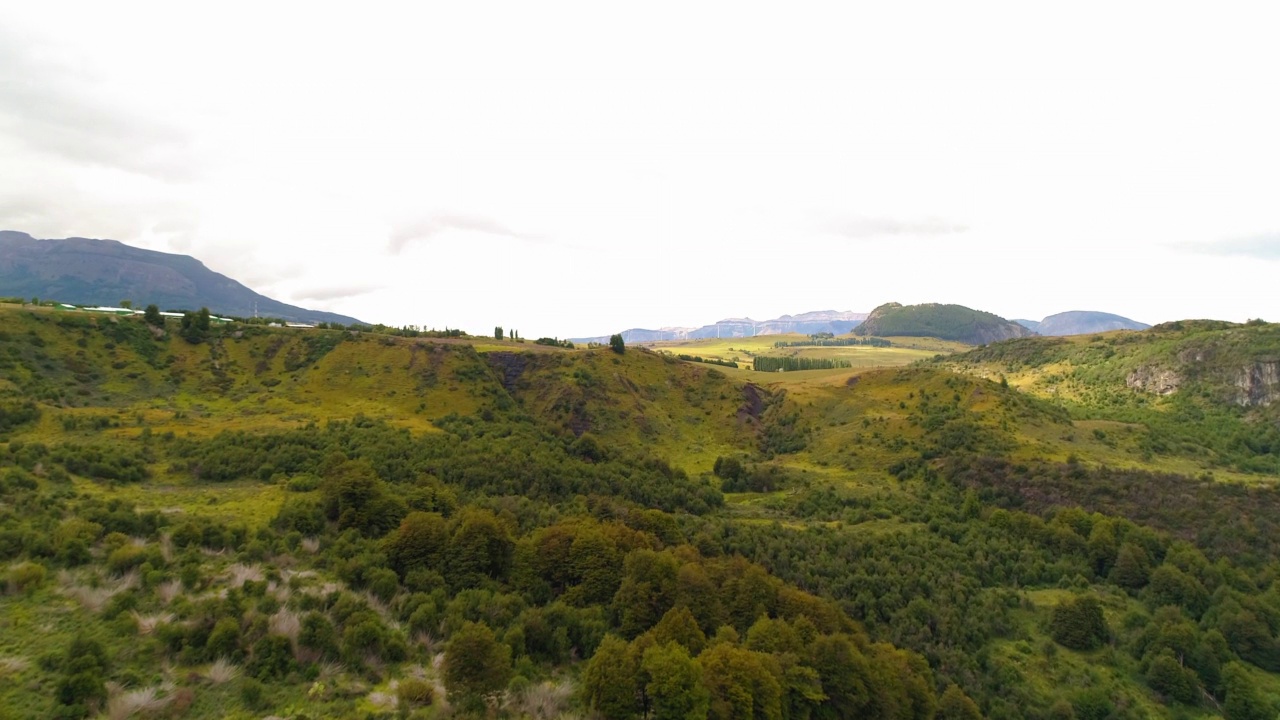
x,y
1204,389
946,322
326,523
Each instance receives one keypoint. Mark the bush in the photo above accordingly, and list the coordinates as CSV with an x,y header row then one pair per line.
x,y
251,693
415,691
26,577
1079,624
272,658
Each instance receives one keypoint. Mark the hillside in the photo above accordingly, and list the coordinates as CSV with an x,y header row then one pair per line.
x,y
1081,322
81,271
1205,388
822,321
353,524
946,322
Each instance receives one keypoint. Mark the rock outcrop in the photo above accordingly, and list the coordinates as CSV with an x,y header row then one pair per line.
x,y
1258,384
1160,381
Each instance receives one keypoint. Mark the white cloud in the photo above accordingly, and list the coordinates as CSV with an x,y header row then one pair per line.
x,y
575,168
1265,246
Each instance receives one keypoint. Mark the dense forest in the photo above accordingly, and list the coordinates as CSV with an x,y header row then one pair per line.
x,y
251,522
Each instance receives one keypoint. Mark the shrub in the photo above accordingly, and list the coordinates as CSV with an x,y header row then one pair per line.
x,y
272,658
26,577
415,691
1079,624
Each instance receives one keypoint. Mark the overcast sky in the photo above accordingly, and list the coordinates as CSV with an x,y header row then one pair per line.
x,y
578,169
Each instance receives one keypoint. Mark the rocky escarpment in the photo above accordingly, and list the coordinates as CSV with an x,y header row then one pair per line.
x,y
1258,384
1160,381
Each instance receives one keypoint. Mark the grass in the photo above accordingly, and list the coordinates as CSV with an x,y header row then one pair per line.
x,y
903,352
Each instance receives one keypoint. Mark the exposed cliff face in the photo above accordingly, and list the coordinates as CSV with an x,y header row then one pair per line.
x,y
1149,378
1259,384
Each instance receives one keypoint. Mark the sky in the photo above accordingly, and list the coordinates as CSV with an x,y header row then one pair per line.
x,y
573,169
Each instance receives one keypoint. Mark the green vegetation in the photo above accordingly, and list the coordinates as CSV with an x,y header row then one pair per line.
x,y
331,523
788,364
830,341
709,361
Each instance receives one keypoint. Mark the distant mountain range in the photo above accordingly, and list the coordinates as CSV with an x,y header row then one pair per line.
x,y
82,271
947,322
828,321
1081,322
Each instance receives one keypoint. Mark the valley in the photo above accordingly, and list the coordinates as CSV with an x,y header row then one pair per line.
x,y
316,523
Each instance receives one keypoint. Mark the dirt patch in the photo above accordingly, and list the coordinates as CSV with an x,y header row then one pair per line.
x,y
754,401
509,366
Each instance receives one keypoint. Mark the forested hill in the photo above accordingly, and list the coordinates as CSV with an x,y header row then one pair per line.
x,y
81,271
946,322
251,522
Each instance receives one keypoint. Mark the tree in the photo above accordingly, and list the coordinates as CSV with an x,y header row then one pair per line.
x,y
195,326
82,687
647,590
481,548
611,680
616,344
476,665
955,705
742,683
1079,624
680,627
152,316
420,542
1243,700
845,675
127,304
1132,568
674,687
497,332
1168,677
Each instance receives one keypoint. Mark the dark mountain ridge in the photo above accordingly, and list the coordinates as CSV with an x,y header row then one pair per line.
x,y
86,271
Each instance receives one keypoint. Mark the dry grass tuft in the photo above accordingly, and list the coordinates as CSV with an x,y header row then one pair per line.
x,y
149,701
385,701
12,664
147,624
428,642
95,598
166,547
286,623
544,701
222,671
169,590
238,574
